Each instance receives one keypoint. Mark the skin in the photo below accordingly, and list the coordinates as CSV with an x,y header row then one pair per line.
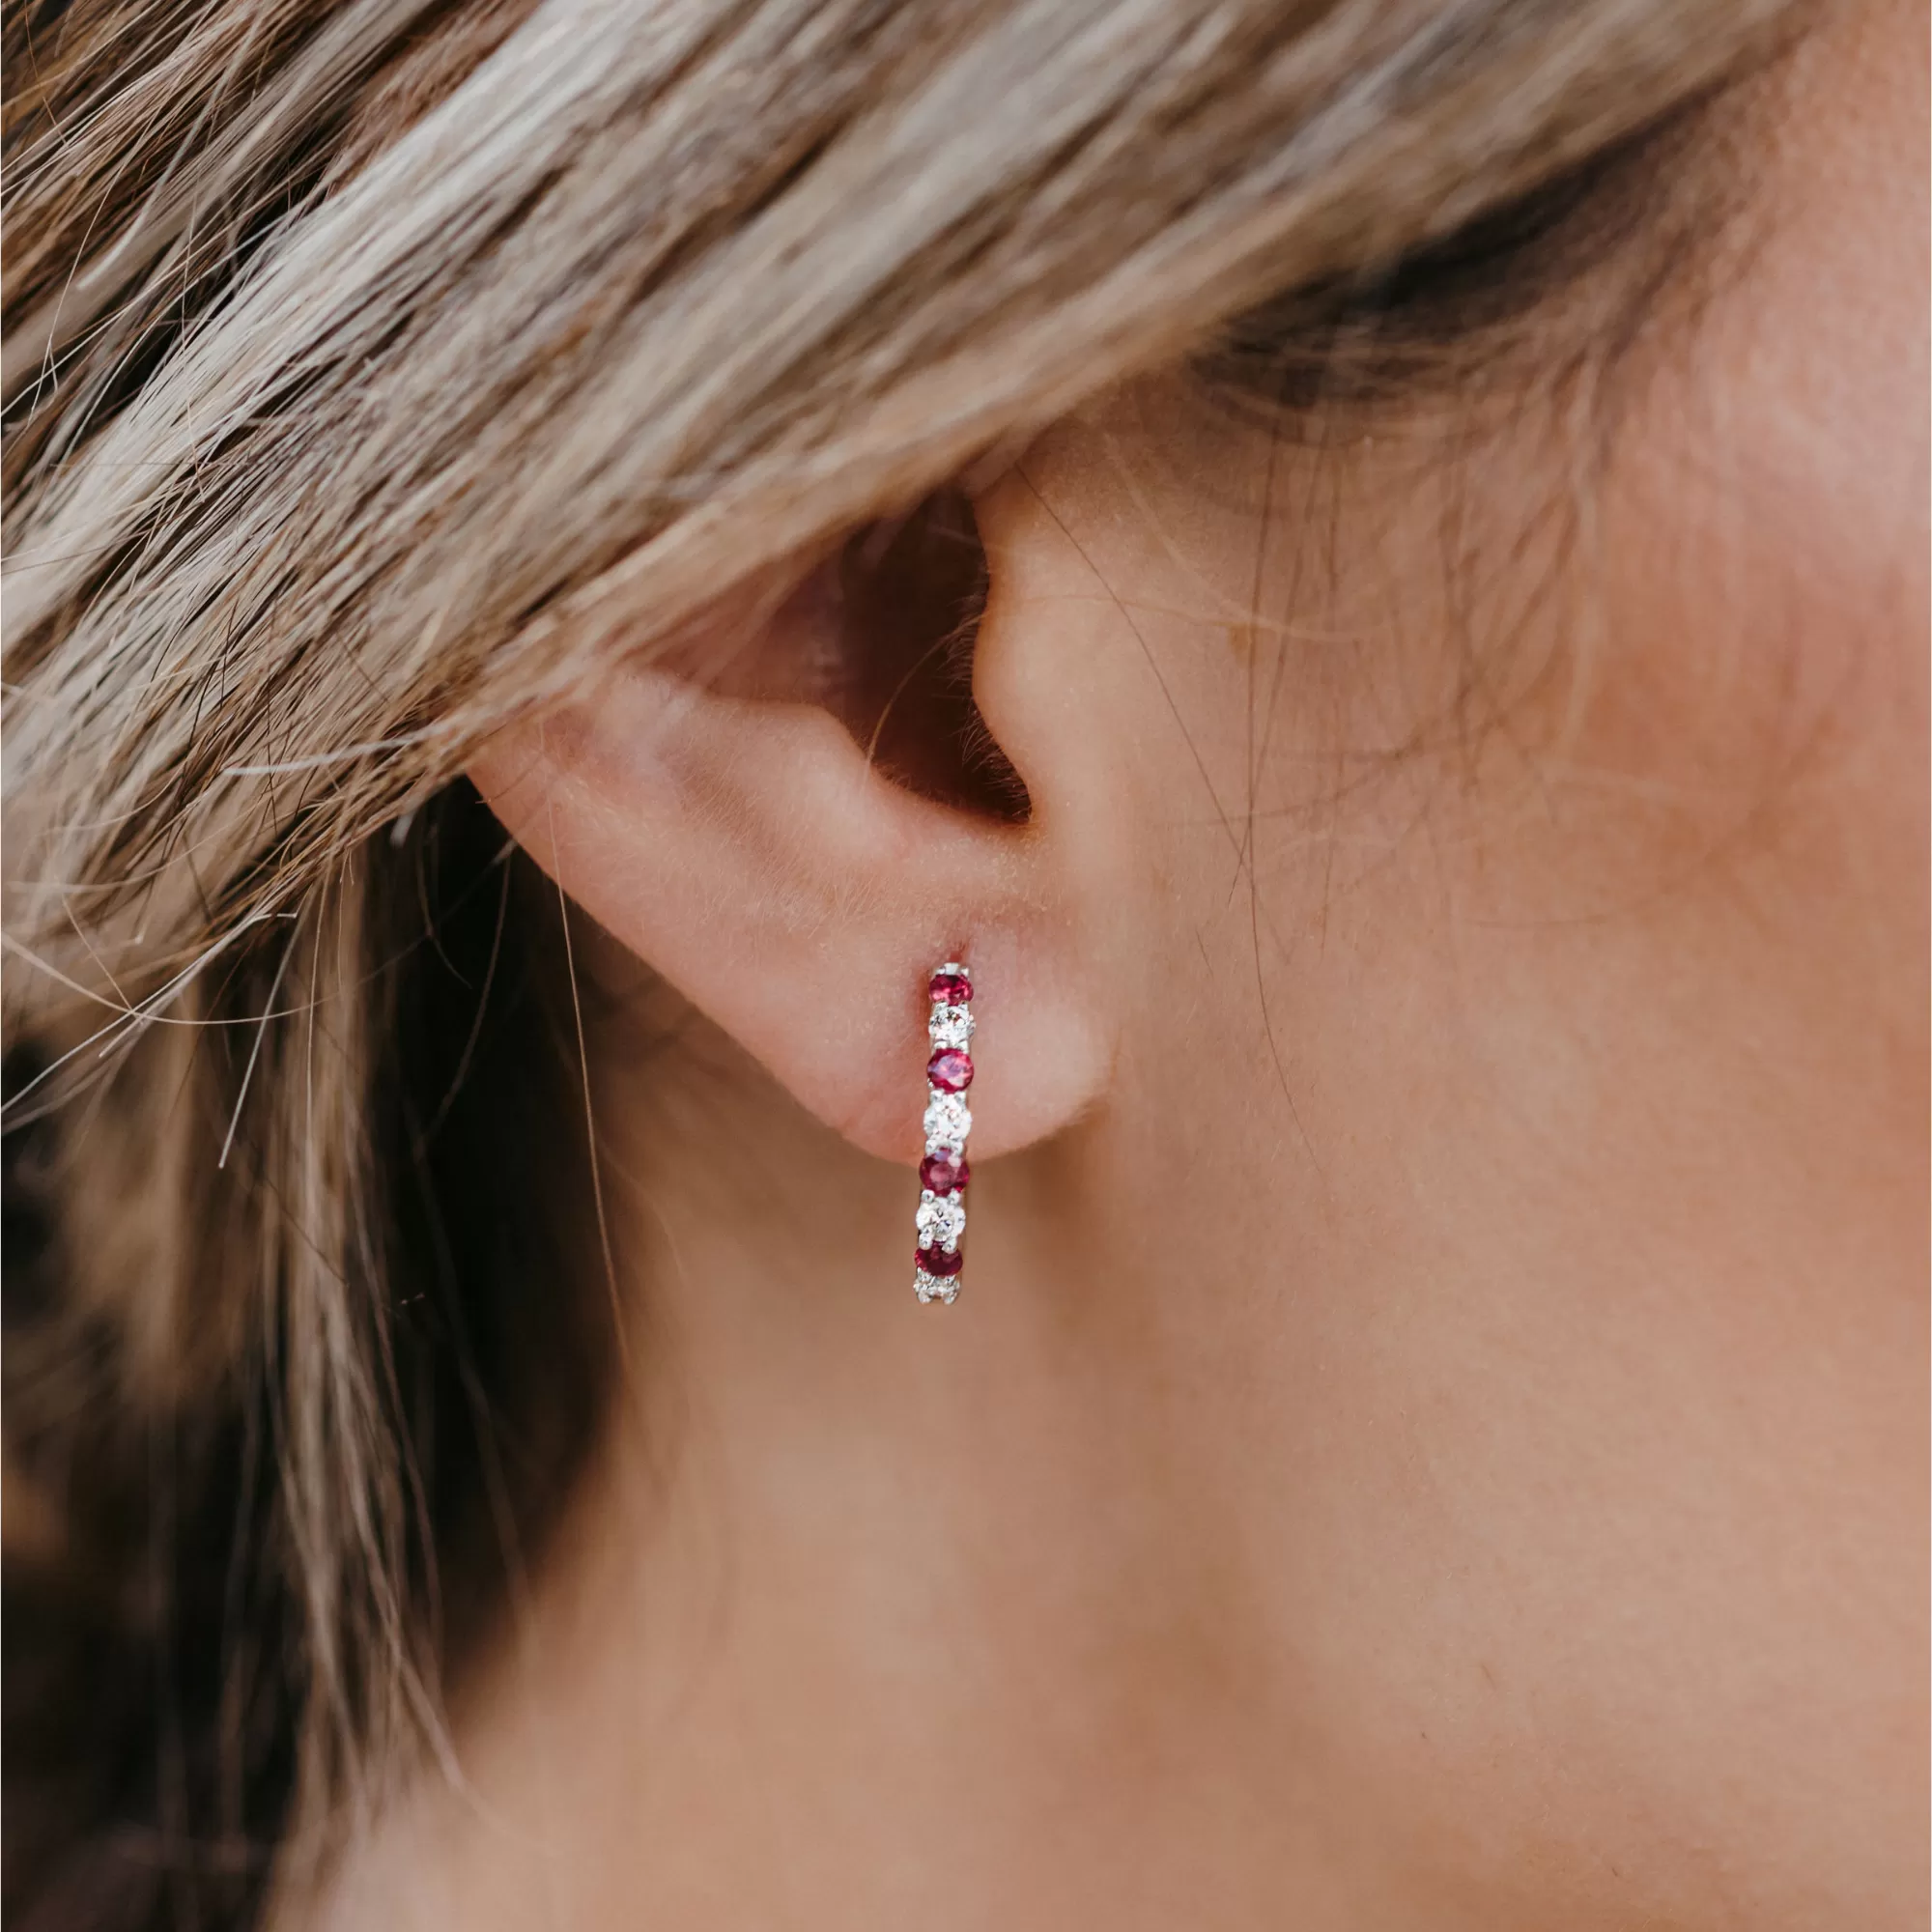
x,y
1433,1432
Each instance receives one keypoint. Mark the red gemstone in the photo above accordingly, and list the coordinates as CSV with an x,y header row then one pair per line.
x,y
944,1173
949,989
950,1070
936,1261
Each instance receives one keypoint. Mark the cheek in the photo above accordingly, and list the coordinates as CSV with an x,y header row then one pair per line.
x,y
1759,572
1665,1375
1587,1402
1739,722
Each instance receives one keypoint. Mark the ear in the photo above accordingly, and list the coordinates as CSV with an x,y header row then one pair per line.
x,y
735,832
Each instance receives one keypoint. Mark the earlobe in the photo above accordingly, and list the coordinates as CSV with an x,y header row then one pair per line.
x,y
749,851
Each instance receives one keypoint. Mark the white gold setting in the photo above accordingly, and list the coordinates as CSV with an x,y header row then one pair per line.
x,y
944,1173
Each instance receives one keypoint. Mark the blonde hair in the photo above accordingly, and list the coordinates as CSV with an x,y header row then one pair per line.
x,y
374,371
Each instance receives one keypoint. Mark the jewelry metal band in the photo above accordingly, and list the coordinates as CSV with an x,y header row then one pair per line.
x,y
943,1174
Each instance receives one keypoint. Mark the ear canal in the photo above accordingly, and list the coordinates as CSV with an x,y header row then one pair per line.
x,y
910,593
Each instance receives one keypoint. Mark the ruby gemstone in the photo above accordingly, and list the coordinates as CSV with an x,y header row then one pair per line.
x,y
944,1173
936,1261
949,989
950,1070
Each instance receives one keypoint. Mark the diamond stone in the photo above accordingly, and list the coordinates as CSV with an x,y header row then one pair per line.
x,y
948,1121
950,1026
931,1288
942,1220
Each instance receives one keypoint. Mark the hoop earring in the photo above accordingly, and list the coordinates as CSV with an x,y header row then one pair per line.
x,y
944,1173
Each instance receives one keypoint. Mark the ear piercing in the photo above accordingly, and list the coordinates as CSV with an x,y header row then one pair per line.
x,y
943,1174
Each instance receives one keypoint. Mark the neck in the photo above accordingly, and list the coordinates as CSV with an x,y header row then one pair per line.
x,y
873,1613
